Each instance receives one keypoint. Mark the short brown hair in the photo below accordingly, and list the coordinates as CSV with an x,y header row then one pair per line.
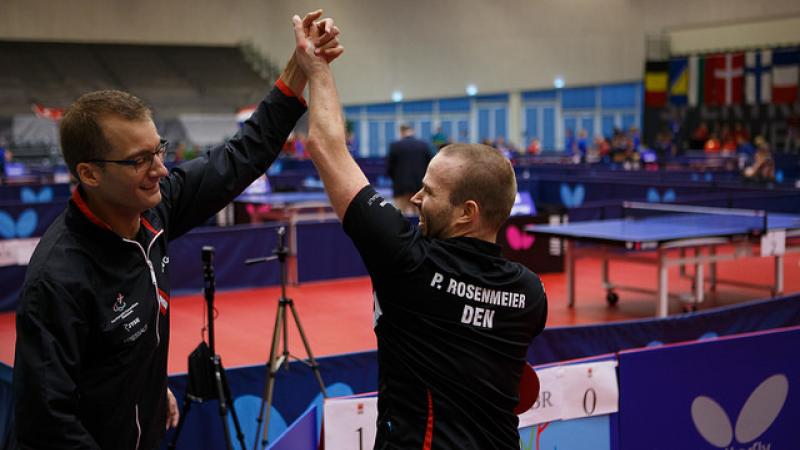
x,y
82,136
487,178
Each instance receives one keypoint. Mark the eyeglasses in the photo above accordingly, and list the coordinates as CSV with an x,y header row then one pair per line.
x,y
142,161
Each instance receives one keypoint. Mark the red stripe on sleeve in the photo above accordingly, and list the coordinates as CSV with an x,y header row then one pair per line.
x,y
426,444
288,92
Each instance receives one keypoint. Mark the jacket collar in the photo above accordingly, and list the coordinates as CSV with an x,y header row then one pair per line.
x,y
83,211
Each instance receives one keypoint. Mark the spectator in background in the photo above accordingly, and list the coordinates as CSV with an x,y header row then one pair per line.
x,y
745,150
664,148
406,164
634,138
506,149
728,144
699,136
740,132
570,145
3,156
352,143
712,146
582,146
534,148
603,148
439,139
763,168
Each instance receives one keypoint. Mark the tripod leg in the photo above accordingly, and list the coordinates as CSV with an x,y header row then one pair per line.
x,y
223,407
271,370
313,362
238,427
187,403
226,389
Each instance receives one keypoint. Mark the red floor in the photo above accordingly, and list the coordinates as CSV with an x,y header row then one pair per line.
x,y
337,315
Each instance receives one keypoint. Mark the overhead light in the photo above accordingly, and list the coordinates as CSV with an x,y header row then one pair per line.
x,y
558,82
397,96
472,89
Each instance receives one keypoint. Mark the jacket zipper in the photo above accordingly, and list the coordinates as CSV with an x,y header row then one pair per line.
x,y
138,428
153,279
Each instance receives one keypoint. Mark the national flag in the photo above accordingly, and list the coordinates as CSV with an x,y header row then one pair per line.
x,y
44,112
724,79
758,77
678,81
785,74
696,72
163,302
655,83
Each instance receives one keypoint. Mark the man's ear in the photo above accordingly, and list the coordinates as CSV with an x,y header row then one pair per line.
x,y
469,212
88,174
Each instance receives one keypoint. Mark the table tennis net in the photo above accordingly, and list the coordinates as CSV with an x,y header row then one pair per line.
x,y
751,221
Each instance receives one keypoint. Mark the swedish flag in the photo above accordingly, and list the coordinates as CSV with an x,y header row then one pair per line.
x,y
679,81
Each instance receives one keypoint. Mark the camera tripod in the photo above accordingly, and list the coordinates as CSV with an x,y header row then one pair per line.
x,y
207,380
281,331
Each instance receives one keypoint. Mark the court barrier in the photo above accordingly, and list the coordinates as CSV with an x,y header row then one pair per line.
x,y
722,361
323,250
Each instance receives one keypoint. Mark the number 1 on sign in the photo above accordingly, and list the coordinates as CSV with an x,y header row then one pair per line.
x,y
360,438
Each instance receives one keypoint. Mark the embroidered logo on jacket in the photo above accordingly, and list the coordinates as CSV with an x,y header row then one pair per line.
x,y
119,305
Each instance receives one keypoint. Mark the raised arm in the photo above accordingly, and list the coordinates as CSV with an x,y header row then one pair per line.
x,y
340,174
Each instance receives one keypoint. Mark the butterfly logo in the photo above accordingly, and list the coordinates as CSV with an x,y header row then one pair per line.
x,y
22,227
757,415
572,197
653,196
518,239
28,195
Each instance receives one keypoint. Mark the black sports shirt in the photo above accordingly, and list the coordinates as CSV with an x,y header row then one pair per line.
x,y
453,320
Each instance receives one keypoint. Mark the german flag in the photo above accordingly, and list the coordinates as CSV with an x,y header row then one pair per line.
x,y
656,83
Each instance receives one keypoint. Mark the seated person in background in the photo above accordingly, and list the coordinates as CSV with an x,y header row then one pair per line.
x,y
712,145
699,136
534,148
603,148
763,168
506,148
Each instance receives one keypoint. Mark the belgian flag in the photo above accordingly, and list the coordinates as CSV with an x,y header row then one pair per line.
x,y
656,83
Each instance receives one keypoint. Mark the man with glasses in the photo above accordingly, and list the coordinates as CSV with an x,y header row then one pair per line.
x,y
93,319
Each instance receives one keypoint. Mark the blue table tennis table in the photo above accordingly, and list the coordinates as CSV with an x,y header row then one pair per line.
x,y
677,235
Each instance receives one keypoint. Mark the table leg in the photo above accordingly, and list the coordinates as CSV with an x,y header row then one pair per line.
x,y
569,253
778,275
663,288
712,269
682,266
698,278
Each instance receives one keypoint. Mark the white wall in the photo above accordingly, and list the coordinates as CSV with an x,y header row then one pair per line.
x,y
426,48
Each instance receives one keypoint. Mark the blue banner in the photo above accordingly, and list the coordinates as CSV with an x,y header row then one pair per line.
x,y
740,393
565,343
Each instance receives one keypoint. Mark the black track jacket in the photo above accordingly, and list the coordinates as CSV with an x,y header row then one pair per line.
x,y
93,319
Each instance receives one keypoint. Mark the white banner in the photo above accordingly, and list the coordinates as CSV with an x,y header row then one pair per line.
x,y
589,389
565,392
350,423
